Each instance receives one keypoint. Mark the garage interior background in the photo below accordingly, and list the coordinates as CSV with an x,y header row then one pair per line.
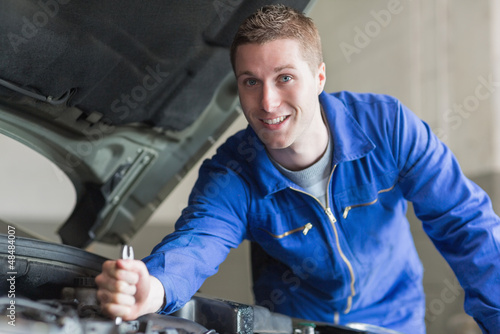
x,y
440,57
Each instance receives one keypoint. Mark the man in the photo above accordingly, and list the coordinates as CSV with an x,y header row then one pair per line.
x,y
320,183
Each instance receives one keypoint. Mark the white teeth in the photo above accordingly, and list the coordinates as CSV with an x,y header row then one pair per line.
x,y
274,121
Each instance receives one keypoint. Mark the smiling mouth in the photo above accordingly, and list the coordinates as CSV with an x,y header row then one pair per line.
x,y
273,121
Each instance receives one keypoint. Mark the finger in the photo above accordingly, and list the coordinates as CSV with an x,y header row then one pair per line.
x,y
114,285
109,267
143,278
127,276
136,266
116,310
125,288
107,297
118,270
108,272
102,280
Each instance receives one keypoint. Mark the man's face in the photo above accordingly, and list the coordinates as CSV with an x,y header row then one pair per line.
x,y
279,92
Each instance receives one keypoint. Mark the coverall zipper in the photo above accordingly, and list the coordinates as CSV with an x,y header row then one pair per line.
x,y
305,229
349,208
332,219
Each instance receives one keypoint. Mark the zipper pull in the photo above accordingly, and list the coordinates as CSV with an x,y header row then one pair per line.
x,y
330,215
346,211
307,227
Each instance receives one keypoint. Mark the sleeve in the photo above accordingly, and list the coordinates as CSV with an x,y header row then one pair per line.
x,y
212,223
456,214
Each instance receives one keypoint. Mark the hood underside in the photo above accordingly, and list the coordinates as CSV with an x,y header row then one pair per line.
x,y
124,96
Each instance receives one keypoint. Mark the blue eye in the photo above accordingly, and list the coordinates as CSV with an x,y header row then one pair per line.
x,y
251,82
285,78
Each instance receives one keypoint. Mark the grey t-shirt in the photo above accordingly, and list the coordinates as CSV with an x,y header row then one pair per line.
x,y
314,179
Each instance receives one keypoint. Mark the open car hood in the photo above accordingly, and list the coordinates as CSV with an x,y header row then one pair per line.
x,y
123,96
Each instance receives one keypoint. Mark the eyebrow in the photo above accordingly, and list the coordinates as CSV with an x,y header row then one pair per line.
x,y
284,67
244,73
276,70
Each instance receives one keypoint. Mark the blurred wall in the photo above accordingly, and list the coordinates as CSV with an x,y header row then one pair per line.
x,y
440,57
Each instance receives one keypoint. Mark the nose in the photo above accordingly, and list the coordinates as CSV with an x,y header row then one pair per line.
x,y
270,98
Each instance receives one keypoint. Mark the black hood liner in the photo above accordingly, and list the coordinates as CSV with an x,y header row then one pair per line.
x,y
156,62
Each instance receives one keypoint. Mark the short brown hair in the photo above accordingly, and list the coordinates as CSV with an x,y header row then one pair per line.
x,y
280,22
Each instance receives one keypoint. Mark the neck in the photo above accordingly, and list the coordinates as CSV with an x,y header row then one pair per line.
x,y
302,155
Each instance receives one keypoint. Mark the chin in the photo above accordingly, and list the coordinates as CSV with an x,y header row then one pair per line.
x,y
272,141
273,145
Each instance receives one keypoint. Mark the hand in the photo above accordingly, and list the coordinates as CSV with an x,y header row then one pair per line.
x,y
125,289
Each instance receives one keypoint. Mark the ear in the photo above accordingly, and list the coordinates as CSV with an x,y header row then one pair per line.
x,y
321,76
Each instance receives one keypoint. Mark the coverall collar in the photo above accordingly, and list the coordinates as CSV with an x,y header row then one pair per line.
x,y
350,142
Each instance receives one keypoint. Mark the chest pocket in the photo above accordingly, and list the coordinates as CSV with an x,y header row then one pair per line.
x,y
370,219
304,229
287,232
282,227
348,208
